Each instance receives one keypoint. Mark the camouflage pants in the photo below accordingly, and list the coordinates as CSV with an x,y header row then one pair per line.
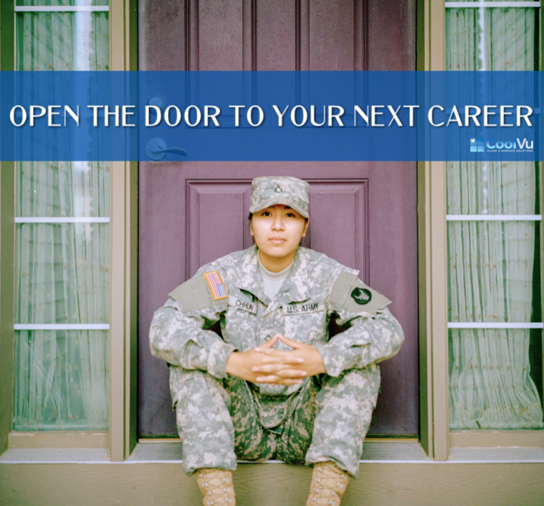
x,y
326,419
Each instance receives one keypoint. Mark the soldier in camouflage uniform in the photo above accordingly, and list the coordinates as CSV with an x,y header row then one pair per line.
x,y
310,410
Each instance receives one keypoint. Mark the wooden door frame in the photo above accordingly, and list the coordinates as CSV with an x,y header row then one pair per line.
x,y
436,437
121,437
432,248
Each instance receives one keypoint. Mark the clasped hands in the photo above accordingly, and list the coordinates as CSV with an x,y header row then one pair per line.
x,y
277,367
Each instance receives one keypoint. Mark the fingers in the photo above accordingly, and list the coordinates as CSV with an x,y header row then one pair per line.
x,y
286,374
279,369
271,352
268,344
290,342
281,359
279,355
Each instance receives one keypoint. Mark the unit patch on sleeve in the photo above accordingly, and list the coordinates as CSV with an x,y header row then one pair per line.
x,y
361,295
350,293
217,287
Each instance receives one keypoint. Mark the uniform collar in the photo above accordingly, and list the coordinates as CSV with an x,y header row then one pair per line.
x,y
294,288
249,278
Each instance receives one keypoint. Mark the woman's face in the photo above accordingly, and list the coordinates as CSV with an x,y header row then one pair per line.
x,y
277,231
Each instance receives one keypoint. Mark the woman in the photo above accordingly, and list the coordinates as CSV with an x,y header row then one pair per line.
x,y
274,385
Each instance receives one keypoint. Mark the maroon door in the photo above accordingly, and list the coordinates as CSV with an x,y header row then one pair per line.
x,y
363,213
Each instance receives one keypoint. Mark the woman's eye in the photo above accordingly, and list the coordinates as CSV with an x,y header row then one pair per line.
x,y
266,213
290,215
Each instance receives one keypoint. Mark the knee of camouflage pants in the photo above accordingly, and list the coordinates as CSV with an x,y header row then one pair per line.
x,y
203,420
344,411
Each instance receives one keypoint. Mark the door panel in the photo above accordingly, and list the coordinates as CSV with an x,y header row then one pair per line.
x,y
217,221
340,211
332,35
220,35
274,37
362,214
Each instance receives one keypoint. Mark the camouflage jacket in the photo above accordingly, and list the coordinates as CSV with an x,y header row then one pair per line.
x,y
317,289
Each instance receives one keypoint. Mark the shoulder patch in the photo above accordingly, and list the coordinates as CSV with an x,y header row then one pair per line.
x,y
341,288
217,287
194,294
350,293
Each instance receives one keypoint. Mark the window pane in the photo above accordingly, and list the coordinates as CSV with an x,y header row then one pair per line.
x,y
492,188
62,269
493,266
62,41
62,189
492,384
62,273
490,271
61,380
490,38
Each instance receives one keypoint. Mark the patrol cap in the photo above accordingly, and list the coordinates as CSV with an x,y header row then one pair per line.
x,y
289,191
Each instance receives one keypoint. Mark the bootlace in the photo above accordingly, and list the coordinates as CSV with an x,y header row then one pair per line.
x,y
216,487
329,483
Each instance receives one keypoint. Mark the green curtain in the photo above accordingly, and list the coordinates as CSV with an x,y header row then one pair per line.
x,y
62,271
491,264
62,40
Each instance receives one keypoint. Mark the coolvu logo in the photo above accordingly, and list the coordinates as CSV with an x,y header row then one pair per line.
x,y
494,146
476,145
528,146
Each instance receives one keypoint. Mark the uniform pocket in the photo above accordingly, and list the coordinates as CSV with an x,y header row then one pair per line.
x,y
305,322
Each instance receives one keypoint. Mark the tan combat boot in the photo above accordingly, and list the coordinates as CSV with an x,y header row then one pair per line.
x,y
216,487
329,483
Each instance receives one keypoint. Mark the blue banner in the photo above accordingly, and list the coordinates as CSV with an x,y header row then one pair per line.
x,y
243,116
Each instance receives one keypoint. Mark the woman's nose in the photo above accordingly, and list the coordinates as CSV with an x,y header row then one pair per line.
x,y
277,223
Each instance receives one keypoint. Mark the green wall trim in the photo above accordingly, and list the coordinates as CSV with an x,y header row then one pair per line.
x,y
7,230
7,33
6,244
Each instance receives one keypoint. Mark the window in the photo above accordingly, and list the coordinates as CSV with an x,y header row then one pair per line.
x,y
62,253
494,219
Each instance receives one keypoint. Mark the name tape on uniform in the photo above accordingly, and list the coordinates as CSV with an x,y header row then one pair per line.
x,y
304,308
244,305
217,287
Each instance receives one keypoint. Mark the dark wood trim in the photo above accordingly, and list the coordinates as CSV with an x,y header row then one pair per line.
x,y
302,35
191,35
249,30
361,29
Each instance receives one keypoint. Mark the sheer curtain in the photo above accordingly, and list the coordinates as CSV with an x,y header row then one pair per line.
x,y
491,263
62,271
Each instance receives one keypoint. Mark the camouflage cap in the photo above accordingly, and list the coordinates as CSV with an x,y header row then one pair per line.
x,y
289,191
